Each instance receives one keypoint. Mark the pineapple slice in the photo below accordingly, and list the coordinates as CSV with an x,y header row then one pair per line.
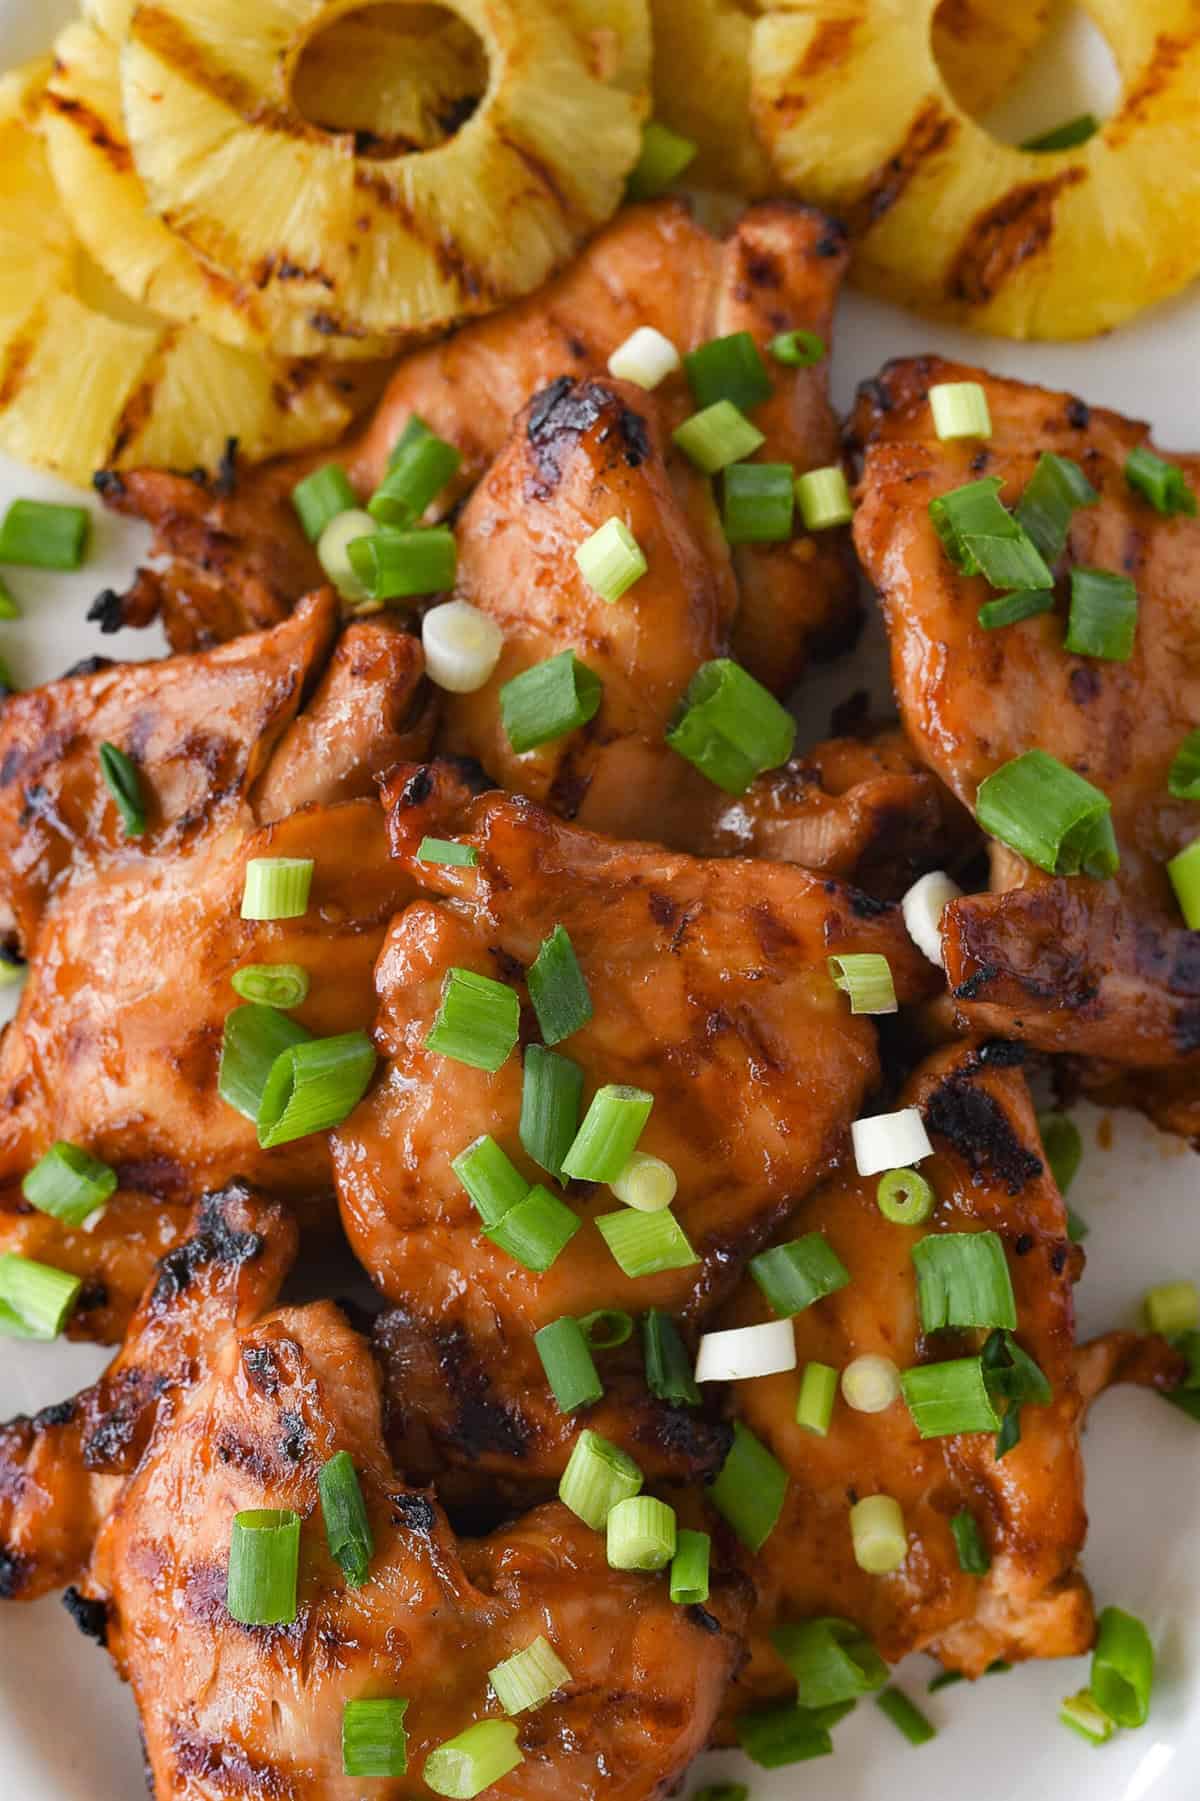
x,y
378,244
857,116
90,380
400,76
981,46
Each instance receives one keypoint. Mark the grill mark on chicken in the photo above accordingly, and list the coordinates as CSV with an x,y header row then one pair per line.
x,y
972,1121
90,1617
560,415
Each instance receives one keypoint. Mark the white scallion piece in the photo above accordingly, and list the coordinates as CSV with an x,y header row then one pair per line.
x,y
890,1141
870,1384
333,551
923,907
462,647
747,1351
646,1183
645,358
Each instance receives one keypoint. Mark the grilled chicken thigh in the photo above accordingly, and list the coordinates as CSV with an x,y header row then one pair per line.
x,y
710,990
1103,970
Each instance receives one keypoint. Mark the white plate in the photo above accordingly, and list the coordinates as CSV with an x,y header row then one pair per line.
x,y
67,1728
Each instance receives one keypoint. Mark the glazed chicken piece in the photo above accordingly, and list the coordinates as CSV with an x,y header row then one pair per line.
x,y
117,1040
1102,970
710,990
987,1173
235,555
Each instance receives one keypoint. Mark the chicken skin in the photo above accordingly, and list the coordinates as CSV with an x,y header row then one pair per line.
x,y
117,1040
710,990
236,558
1102,970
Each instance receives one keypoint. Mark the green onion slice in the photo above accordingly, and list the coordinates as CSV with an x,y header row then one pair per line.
x,y
831,1659
536,1230
773,1737
255,1037
1065,136
669,1374
818,1392
866,977
646,1183
1183,873
904,1197
36,1300
645,1244
598,1475
960,410
68,1184
314,1086
793,1276
664,156
798,349
759,503
1103,618
1012,1376
550,1096
558,989
123,782
549,700
473,1760
609,1134
567,1361
264,1563
421,465
9,610
750,1489
447,851
529,1677
1083,1716
981,537
1123,1668
878,1534
320,497
641,1534
1183,780
374,1741
347,1528
1172,1307
1055,490
1063,1147
947,1398
607,1328
277,887
611,560
400,565
478,1021
823,497
730,727
963,1280
973,1555
689,1568
1050,815
492,1182
905,1716
1163,484
44,536
1010,609
717,437
729,368
282,985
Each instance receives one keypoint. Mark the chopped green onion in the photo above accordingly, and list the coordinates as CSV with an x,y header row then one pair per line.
x,y
333,554
478,1021
1010,609
282,985
949,1678
536,1230
399,565
689,1568
798,349
36,1300
1066,136
721,1791
905,1716
608,1136
731,727
974,1559
824,498
963,1280
981,537
347,1528
960,410
529,1677
1082,1715
793,1276
415,432
664,156
1103,618
1011,1374
607,1328
447,851
870,1384
314,1086
760,500
1163,484
473,1760
645,1244
264,1562
745,1352
1183,780
125,785
749,1492
374,1741
43,536
1054,491
1063,1147
255,1037
550,1095
611,560
557,988
462,646
68,1184
728,369
832,1660
596,1478
277,887
668,1367
867,978
567,1361
418,470
646,358
773,1737
717,437
548,701
878,1535
1050,815
646,1183
8,607
1183,872
948,1398
904,1197
641,1534
818,1391
320,497
492,1182
1122,1668
1077,1226
1172,1307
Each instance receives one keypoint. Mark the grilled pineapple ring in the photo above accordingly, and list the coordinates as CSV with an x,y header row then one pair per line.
x,y
857,116
377,244
89,381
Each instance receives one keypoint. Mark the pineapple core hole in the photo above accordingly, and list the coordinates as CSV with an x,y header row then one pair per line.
x,y
1022,80
399,78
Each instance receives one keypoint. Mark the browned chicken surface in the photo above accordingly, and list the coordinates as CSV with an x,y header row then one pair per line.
x,y
1104,970
117,1040
710,989
237,559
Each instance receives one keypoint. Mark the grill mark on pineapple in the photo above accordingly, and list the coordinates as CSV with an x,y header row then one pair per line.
x,y
453,266
1159,74
543,175
830,44
93,127
1005,237
16,363
162,35
930,133
135,415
